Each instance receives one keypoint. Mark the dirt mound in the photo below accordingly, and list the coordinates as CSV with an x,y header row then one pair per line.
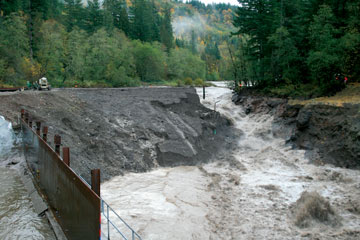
x,y
132,129
312,208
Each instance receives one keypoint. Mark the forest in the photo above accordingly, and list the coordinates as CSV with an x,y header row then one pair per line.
x,y
111,43
299,47
284,48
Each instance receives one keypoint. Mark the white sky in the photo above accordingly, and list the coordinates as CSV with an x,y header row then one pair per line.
x,y
233,2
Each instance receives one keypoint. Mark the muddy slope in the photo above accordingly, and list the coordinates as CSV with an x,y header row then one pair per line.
x,y
119,130
330,134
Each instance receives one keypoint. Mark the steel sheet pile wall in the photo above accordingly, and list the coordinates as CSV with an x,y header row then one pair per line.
x,y
75,205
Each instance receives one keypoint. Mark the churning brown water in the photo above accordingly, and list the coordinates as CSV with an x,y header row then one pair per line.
x,y
18,219
246,195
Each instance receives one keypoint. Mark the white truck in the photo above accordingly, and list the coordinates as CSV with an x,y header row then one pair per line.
x,y
42,84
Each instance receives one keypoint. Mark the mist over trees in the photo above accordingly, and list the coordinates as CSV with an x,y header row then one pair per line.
x,y
101,43
297,47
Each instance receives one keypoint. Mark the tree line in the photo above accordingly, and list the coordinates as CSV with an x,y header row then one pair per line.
x,y
112,43
297,47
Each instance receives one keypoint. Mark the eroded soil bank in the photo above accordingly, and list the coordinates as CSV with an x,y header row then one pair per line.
x,y
328,133
120,130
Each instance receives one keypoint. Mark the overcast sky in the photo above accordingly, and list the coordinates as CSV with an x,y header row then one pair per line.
x,y
233,2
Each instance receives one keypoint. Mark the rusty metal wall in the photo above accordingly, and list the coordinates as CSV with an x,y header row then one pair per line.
x,y
75,205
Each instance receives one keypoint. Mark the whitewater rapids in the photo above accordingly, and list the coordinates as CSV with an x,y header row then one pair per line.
x,y
244,196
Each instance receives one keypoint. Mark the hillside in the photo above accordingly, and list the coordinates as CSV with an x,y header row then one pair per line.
x,y
114,43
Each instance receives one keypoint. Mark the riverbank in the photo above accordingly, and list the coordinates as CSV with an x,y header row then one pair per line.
x,y
328,128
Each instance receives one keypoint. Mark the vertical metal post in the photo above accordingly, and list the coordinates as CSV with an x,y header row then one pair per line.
x,y
57,142
22,113
66,155
26,117
95,181
108,221
38,127
204,92
45,132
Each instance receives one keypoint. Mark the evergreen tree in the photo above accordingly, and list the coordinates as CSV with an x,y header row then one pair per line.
x,y
324,58
255,18
166,32
180,43
118,10
141,28
74,14
156,22
9,6
95,17
284,56
351,42
45,9
122,22
145,21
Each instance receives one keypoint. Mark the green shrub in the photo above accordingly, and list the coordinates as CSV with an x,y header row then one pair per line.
x,y
199,82
179,83
188,81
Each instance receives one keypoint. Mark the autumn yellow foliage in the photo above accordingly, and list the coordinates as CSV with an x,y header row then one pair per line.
x,y
31,69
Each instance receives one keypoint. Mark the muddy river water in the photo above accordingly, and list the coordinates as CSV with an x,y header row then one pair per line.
x,y
246,196
18,219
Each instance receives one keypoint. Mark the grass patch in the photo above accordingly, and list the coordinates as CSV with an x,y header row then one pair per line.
x,y
351,95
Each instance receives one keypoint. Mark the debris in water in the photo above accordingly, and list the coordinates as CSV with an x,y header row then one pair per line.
x,y
312,207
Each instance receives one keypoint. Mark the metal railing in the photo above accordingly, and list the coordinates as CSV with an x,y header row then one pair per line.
x,y
109,214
